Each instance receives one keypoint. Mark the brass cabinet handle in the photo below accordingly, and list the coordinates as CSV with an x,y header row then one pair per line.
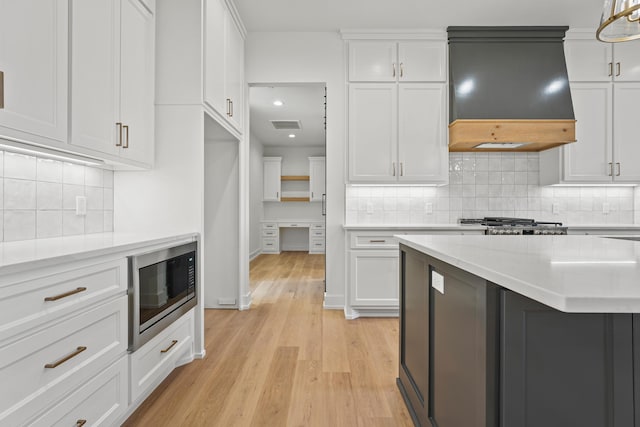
x,y
1,90
231,102
126,144
401,70
80,423
377,241
618,165
394,70
610,69
394,168
119,144
610,169
618,69
66,294
401,169
174,342
228,107
64,359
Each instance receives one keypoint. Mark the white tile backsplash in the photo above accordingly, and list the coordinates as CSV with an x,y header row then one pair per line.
x,y
492,184
38,198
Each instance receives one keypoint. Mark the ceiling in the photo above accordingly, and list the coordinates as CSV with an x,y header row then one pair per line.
x,y
333,15
301,102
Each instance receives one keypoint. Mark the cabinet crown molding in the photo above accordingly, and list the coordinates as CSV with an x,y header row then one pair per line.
x,y
391,34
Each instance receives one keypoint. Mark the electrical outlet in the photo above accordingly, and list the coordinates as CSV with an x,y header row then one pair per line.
x,y
555,208
369,208
81,205
606,208
428,208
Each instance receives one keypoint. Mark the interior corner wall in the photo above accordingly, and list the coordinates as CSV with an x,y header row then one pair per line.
x,y
306,57
256,213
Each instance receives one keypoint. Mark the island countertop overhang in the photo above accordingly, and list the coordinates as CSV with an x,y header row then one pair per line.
x,y
573,274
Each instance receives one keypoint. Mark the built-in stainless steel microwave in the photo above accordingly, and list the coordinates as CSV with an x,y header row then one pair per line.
x,y
162,287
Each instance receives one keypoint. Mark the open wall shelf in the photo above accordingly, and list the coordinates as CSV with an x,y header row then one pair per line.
x,y
294,178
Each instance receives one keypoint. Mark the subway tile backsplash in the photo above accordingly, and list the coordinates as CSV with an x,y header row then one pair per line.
x,y
491,184
38,198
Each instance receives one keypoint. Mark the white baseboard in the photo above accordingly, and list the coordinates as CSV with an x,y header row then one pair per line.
x,y
253,255
245,302
333,302
355,313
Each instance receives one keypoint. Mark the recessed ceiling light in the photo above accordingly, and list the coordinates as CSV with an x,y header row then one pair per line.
x,y
291,135
278,103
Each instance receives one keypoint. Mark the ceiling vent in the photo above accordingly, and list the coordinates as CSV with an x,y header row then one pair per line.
x,y
286,124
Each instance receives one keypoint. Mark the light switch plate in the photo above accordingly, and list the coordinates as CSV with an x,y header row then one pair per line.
x,y
437,282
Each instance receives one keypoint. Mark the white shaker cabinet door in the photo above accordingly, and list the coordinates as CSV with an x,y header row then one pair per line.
x,y
626,149
95,74
626,61
272,170
137,81
374,278
33,60
214,64
373,124
589,158
422,61
373,61
422,146
589,61
234,72
316,178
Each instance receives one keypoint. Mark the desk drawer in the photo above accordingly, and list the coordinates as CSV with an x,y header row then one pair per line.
x,y
374,240
28,303
316,233
316,245
42,367
270,233
317,226
269,226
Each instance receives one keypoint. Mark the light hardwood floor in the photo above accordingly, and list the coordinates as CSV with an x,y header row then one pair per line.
x,y
285,362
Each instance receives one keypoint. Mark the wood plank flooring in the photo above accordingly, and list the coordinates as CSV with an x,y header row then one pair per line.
x,y
285,362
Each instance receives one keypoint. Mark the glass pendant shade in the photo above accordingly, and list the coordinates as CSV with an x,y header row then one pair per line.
x,y
620,21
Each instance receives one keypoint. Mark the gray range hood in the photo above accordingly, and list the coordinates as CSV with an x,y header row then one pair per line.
x,y
509,89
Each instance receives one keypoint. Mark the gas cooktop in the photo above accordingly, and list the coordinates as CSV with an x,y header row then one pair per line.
x,y
516,226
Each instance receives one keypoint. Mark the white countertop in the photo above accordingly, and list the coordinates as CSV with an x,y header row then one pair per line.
x,y
30,254
412,227
570,273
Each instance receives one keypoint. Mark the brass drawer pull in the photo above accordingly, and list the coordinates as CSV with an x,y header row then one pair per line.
x,y
174,342
80,423
64,359
126,144
1,90
119,144
377,241
66,294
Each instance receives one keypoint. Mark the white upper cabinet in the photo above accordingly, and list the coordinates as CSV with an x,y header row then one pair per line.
x,y
626,147
316,178
272,171
33,62
112,66
390,61
373,132
137,81
223,65
423,150
397,133
589,60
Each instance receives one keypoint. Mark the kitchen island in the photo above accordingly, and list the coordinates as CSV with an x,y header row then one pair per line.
x,y
520,331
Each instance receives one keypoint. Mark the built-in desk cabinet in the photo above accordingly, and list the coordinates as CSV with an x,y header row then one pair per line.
x,y
271,235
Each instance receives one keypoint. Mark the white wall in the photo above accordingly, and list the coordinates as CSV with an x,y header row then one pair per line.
x,y
256,154
273,57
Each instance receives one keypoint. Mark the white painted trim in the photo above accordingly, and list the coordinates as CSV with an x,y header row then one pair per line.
x,y
333,302
245,302
200,355
255,254
391,34
236,17
372,312
581,34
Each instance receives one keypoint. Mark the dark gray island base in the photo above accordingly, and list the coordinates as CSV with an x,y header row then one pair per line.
x,y
479,355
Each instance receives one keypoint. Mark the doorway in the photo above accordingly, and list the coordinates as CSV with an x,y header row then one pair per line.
x,y
287,180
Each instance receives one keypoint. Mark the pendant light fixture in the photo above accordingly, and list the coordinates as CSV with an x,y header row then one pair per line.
x,y
620,21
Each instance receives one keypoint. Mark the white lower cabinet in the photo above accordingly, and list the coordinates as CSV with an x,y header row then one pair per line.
x,y
317,239
100,402
151,363
373,270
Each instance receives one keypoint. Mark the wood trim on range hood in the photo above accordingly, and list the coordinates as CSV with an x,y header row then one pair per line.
x,y
535,135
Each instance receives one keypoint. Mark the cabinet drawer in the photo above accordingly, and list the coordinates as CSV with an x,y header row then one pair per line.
x,y
270,226
317,226
42,367
102,401
270,233
294,224
316,233
270,245
317,245
151,363
28,303
378,240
